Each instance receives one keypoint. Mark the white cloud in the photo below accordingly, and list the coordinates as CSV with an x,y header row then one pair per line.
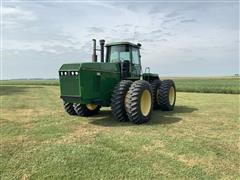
x,y
54,47
17,16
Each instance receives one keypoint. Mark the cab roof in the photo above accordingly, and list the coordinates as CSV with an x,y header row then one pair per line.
x,y
123,43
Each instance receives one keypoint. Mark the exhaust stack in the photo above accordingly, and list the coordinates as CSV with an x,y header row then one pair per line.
x,y
102,42
94,55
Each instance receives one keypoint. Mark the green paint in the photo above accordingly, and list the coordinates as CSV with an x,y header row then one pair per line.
x,y
93,84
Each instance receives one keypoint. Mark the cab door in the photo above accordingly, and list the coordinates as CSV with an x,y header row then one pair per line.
x,y
135,63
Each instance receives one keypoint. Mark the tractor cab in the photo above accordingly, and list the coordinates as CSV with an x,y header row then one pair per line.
x,y
128,56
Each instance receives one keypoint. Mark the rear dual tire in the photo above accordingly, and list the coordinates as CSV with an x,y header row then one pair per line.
x,y
167,95
164,94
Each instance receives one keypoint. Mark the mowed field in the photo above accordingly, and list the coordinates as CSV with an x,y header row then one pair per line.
x,y
198,140
226,85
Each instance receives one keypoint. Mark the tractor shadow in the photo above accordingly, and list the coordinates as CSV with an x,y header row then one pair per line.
x,y
13,90
105,118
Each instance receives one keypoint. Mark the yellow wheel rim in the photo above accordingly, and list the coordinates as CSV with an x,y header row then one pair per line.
x,y
146,102
91,106
171,95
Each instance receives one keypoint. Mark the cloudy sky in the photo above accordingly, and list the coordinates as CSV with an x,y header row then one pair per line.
x,y
179,38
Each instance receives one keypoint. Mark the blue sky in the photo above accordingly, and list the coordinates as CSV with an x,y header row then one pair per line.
x,y
179,38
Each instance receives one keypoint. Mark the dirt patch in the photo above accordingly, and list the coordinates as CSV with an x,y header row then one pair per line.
x,y
17,139
23,115
187,160
157,144
25,177
83,133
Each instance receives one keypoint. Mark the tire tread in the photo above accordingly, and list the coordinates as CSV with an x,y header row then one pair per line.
x,y
118,99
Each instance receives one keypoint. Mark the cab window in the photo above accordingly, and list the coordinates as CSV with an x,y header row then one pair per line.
x,y
135,56
118,53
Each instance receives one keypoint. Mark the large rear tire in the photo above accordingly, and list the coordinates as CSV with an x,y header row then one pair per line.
x,y
167,95
69,108
86,109
139,102
118,100
156,93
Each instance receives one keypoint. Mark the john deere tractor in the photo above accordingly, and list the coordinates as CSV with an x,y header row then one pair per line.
x,y
116,81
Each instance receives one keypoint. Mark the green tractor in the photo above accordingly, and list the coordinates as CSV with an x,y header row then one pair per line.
x,y
117,82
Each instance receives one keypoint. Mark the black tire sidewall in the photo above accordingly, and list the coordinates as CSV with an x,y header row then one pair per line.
x,y
168,106
133,105
69,108
82,110
118,100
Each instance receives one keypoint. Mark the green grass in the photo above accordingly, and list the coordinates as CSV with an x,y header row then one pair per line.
x,y
44,82
226,85
199,140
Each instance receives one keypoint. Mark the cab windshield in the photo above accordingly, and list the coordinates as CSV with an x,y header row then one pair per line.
x,y
118,53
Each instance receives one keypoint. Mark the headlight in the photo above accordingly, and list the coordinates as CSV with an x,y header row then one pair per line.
x,y
76,73
72,73
65,73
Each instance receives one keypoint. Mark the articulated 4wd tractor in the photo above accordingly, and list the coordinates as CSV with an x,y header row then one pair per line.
x,y
117,82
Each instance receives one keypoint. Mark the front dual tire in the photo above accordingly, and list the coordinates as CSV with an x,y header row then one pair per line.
x,y
132,101
69,108
86,109
118,100
139,102
81,109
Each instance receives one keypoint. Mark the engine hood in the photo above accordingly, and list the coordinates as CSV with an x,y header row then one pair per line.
x,y
92,66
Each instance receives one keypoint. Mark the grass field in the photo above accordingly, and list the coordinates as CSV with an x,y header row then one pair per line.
x,y
199,140
226,85
52,82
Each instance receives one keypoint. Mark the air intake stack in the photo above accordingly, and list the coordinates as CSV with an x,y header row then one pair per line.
x,y
94,55
102,42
